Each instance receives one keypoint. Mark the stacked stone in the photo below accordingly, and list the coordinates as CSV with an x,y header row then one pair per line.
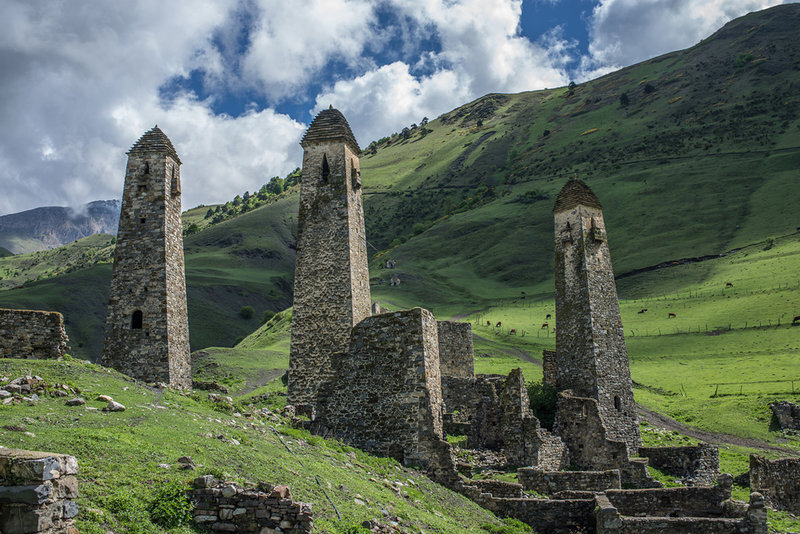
x,y
697,465
552,482
37,492
777,480
455,349
267,509
787,414
32,334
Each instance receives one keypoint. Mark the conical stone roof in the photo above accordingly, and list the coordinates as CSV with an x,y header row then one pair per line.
x,y
154,141
575,193
328,125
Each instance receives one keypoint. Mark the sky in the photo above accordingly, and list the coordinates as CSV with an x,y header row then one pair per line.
x,y
235,83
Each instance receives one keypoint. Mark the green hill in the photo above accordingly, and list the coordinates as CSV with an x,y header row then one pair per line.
x,y
5,252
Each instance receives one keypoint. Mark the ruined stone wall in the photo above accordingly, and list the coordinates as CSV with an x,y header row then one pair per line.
x,y
386,397
32,334
705,501
787,414
549,368
498,488
697,465
37,492
455,349
592,359
566,516
552,482
476,402
331,281
777,480
147,329
226,507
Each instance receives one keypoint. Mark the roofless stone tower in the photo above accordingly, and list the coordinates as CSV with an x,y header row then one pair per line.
x,y
331,279
591,358
147,329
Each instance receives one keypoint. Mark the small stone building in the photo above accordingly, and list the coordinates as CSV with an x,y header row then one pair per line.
x,y
147,326
32,334
331,280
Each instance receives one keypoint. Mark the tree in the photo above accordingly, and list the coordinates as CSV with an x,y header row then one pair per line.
x,y
624,100
247,312
237,200
424,121
406,133
209,213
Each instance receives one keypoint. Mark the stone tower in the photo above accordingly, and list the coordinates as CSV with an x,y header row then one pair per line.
x,y
591,358
331,279
147,329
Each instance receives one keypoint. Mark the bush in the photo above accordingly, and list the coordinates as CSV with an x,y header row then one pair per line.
x,y
247,312
543,397
171,507
268,314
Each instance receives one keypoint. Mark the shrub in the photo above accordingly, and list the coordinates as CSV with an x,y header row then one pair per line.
x,y
543,398
171,507
268,314
247,312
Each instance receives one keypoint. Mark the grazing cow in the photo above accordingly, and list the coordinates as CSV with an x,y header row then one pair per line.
x,y
796,319
548,316
499,324
643,310
728,284
671,315
513,332
545,325
488,323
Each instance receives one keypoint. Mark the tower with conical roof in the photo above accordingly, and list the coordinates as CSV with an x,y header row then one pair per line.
x,y
591,357
331,280
147,329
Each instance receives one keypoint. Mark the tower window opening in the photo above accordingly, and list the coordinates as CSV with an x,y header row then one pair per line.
x,y
142,220
326,170
136,320
147,167
617,403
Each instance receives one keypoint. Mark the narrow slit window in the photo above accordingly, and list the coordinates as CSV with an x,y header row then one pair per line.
x,y
326,170
137,319
617,403
147,167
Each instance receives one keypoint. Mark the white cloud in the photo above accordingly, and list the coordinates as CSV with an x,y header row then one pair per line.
x,y
623,32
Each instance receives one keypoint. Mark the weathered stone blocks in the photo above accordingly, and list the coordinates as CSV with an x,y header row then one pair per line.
x,y
455,349
787,414
777,480
552,482
32,334
37,492
697,465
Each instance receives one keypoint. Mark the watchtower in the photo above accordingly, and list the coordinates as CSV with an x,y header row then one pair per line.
x,y
147,329
331,280
591,357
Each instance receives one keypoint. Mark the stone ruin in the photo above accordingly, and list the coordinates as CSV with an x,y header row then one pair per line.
x,y
777,480
30,334
37,492
786,414
147,328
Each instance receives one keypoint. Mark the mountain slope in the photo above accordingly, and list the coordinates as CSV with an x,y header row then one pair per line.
x,y
49,227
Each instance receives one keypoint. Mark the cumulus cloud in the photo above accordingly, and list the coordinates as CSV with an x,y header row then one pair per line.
x,y
624,32
80,84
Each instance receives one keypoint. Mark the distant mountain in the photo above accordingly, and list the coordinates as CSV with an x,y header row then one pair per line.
x,y
53,226
5,252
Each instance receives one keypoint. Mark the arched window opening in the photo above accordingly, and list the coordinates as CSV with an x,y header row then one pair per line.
x,y
617,403
147,167
326,170
136,320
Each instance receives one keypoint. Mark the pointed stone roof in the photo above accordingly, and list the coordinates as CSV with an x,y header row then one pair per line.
x,y
575,193
155,141
330,124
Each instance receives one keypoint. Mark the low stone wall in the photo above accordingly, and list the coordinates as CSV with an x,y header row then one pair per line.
x,y
37,492
498,488
698,465
611,521
777,480
549,368
566,516
706,501
787,414
225,507
32,334
551,482
455,349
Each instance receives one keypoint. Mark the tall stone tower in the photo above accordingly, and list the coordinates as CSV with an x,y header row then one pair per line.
x,y
591,358
331,279
147,329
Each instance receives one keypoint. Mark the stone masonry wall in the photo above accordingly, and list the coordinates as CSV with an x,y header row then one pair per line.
x,y
706,501
455,349
552,482
386,397
777,480
476,401
147,329
226,507
32,334
331,281
787,414
549,368
37,492
697,465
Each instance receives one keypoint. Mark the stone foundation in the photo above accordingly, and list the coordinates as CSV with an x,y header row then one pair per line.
x,y
777,480
552,482
455,349
697,466
37,492
32,334
225,507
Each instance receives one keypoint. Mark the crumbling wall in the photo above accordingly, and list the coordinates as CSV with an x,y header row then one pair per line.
x,y
704,501
787,414
777,480
32,334
37,492
226,507
551,482
476,402
697,465
386,395
549,368
565,516
455,349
